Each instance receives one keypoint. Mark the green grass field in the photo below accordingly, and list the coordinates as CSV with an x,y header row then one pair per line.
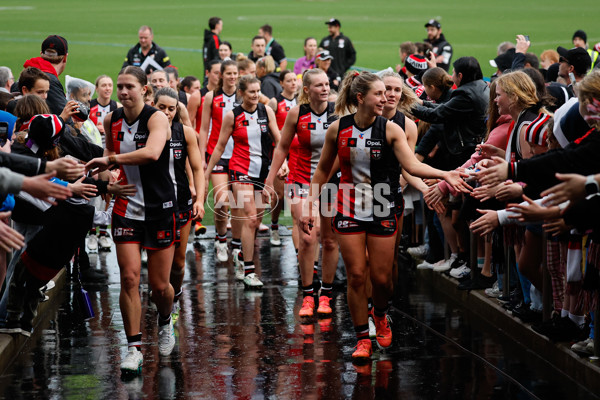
x,y
100,33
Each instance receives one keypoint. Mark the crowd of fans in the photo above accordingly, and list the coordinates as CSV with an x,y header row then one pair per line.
x,y
523,143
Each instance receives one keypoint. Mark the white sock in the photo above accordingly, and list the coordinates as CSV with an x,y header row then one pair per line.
x,y
564,313
578,319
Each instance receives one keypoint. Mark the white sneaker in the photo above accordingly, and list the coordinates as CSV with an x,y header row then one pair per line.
x,y
494,291
221,250
275,239
132,363
425,265
582,346
442,265
92,243
419,251
252,282
460,272
238,265
372,329
144,256
105,242
166,339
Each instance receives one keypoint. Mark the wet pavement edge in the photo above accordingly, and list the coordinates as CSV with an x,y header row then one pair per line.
x,y
557,355
12,345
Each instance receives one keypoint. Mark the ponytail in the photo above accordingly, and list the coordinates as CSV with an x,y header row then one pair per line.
x,y
307,79
354,83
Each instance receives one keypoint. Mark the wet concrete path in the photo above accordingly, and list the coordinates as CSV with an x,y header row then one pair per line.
x,y
232,343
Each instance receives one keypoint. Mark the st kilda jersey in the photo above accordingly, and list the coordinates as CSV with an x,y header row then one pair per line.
x,y
98,111
365,188
203,92
177,163
395,169
310,129
155,192
283,108
253,144
222,103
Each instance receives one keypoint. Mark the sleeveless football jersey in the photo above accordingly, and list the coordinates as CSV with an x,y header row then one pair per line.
x,y
253,145
221,104
310,130
98,111
283,107
365,188
177,164
155,197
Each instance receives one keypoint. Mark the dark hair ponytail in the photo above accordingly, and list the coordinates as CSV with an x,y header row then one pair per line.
x,y
354,83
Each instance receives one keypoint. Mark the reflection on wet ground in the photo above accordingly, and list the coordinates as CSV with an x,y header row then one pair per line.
x,y
234,343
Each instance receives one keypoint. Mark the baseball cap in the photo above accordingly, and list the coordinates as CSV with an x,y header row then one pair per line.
x,y
434,23
504,60
577,57
56,43
333,21
416,64
324,55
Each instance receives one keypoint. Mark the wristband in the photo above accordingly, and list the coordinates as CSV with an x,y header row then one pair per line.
x,y
112,160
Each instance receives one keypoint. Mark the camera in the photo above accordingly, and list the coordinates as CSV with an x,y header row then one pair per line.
x,y
83,112
3,133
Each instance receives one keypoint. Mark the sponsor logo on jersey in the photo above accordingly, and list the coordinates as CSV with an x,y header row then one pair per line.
x,y
167,204
325,125
222,104
140,136
161,235
262,121
245,123
345,224
351,142
140,145
120,136
375,154
312,126
263,128
387,223
121,232
303,125
177,153
176,143
373,143
98,114
287,108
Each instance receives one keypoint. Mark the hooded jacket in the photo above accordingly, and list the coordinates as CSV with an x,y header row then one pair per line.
x,y
56,96
463,116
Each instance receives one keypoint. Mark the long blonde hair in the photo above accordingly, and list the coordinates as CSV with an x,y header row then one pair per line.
x,y
519,87
587,91
307,79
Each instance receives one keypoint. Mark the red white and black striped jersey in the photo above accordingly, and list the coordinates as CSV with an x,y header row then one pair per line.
x,y
221,104
203,92
365,191
177,164
98,111
253,144
155,193
283,108
310,129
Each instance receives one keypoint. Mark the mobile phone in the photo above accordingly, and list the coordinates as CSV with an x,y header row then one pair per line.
x,y
527,37
572,78
3,133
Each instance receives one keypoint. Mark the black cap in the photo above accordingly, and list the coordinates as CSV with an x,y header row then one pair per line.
x,y
56,43
434,23
580,34
577,57
504,61
333,21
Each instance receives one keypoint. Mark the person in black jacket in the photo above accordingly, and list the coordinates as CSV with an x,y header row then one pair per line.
x,y
269,79
212,41
146,48
441,48
339,46
464,114
273,48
